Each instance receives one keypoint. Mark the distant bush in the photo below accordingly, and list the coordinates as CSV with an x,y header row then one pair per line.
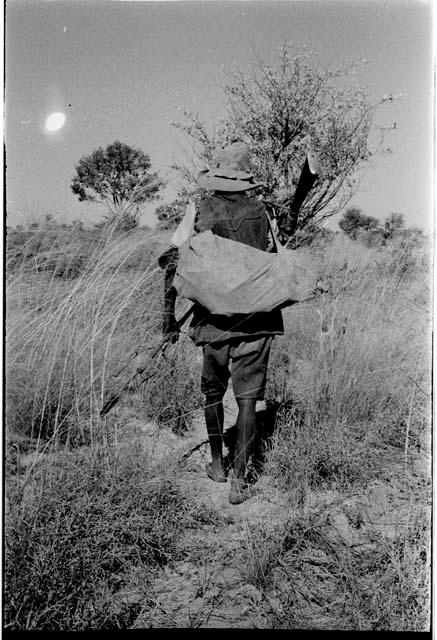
x,y
371,233
353,222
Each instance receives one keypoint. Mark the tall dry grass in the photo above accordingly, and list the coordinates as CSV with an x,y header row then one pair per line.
x,y
352,376
352,382
350,379
89,514
70,338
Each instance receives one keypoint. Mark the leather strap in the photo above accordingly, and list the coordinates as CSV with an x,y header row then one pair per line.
x,y
278,245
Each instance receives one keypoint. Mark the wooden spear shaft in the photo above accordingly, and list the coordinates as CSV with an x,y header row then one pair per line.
x,y
115,397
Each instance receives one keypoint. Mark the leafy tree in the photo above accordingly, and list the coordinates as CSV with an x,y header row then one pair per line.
x,y
281,110
353,222
119,177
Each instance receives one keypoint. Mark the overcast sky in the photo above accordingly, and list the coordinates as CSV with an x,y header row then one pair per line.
x,y
118,70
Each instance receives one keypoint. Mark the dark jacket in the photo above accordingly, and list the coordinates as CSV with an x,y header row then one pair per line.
x,y
243,219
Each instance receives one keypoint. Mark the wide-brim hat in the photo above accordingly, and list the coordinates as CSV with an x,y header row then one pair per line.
x,y
230,170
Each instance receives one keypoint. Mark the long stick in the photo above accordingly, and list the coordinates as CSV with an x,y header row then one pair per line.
x,y
115,397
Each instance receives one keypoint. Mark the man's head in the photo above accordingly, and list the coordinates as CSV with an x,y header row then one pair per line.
x,y
230,171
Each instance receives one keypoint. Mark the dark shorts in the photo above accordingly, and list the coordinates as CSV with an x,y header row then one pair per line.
x,y
245,361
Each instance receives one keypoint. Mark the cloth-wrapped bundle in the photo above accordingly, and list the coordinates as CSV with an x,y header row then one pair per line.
x,y
228,277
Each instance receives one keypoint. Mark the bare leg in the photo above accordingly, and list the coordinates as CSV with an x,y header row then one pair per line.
x,y
214,417
245,427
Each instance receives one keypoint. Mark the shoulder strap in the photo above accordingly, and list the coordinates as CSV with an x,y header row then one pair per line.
x,y
278,245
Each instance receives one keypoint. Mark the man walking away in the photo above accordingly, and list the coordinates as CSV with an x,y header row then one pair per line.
x,y
237,346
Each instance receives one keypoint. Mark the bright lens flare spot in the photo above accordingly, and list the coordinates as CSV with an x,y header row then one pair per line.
x,y
55,121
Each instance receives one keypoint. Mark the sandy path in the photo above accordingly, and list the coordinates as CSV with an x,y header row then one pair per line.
x,y
213,586
219,582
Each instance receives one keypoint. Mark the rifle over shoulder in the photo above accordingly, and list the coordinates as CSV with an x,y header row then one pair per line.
x,y
308,176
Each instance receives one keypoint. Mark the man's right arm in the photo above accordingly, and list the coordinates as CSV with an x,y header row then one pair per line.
x,y
168,261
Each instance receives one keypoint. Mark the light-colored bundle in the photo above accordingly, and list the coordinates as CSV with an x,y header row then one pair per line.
x,y
228,277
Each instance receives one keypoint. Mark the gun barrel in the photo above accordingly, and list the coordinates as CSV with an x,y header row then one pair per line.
x,y
308,176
